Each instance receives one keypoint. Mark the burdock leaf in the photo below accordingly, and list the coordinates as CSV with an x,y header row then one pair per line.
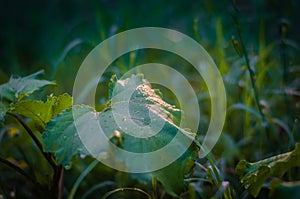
x,y
253,175
144,108
146,105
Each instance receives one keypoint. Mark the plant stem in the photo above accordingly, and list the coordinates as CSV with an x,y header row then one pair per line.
x,y
55,184
154,187
251,72
34,138
61,184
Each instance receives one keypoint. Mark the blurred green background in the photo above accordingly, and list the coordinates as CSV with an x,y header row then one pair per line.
x,y
58,34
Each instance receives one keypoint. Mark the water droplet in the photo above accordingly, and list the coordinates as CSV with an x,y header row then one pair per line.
x,y
82,156
117,133
67,166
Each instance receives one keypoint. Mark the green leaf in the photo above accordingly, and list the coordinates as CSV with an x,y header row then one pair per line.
x,y
60,103
240,106
172,177
62,138
144,102
173,184
17,88
42,112
253,175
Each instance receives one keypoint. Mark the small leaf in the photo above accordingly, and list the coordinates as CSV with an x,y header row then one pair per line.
x,y
253,175
17,88
38,111
42,112
60,103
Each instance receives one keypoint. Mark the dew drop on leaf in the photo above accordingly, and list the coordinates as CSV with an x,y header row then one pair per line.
x,y
82,156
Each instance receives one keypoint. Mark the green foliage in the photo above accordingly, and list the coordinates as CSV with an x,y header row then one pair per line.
x,y
253,175
42,112
61,136
144,102
17,88
183,167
